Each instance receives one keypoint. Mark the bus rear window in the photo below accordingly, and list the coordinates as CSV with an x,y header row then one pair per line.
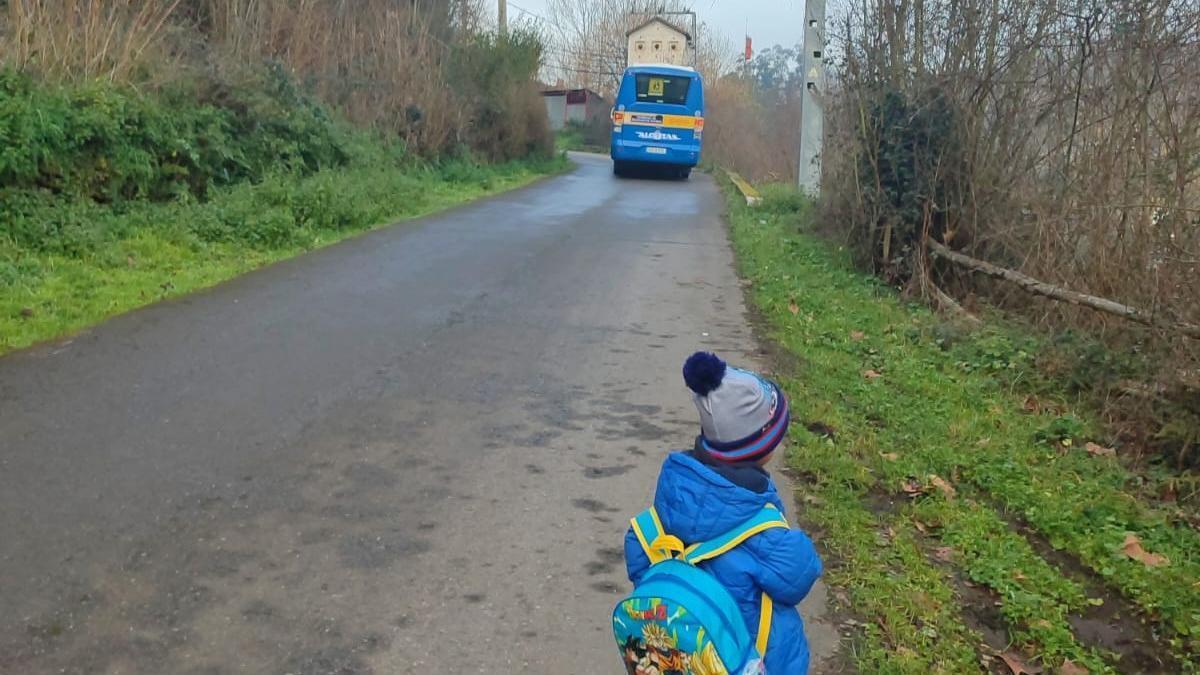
x,y
670,89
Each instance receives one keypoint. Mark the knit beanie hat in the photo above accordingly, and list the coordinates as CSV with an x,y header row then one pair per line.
x,y
743,416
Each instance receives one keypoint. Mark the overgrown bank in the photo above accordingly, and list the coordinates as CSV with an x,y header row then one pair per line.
x,y
966,523
148,149
116,259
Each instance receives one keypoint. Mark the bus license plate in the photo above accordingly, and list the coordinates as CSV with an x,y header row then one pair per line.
x,y
656,151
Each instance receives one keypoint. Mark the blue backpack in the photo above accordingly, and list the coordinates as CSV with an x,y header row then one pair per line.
x,y
679,619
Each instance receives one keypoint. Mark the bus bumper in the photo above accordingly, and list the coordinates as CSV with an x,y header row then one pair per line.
x,y
640,151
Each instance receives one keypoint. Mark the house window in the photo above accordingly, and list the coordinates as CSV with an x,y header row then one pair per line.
x,y
641,46
674,46
657,46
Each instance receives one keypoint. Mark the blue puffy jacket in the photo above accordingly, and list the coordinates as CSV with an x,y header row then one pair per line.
x,y
696,502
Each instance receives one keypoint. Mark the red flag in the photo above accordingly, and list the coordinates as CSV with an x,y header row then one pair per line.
x,y
749,49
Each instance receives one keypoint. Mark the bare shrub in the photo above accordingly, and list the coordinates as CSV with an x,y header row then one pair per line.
x,y
87,39
1055,139
757,138
379,62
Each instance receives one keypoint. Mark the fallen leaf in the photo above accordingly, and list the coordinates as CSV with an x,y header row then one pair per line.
x,y
1133,548
943,553
870,374
946,488
1099,450
983,442
912,487
1069,667
889,456
1018,575
129,261
920,526
1017,666
1032,404
857,335
793,307
26,312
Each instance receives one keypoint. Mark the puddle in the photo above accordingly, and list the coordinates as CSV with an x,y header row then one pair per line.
x,y
592,505
607,560
607,471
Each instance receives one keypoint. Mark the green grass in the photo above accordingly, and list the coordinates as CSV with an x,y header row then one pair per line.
x,y
900,548
576,137
136,254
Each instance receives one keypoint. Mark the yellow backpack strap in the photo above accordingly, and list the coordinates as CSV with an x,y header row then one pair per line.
x,y
657,544
764,624
769,517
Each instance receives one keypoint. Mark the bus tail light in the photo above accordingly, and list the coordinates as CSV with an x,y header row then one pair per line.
x,y
699,127
618,118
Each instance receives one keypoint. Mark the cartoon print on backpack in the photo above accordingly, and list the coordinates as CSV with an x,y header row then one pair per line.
x,y
649,648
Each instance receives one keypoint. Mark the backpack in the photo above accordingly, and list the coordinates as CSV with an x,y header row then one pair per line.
x,y
678,619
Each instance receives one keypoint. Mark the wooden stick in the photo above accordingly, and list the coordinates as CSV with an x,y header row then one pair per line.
x,y
1063,294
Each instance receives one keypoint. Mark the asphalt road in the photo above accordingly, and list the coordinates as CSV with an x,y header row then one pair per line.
x,y
412,452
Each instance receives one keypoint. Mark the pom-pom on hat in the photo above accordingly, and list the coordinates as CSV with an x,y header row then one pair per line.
x,y
743,416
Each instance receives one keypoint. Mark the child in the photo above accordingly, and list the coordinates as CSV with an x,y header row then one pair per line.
x,y
719,485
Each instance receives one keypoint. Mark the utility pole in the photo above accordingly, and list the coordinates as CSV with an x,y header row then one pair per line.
x,y
812,116
502,12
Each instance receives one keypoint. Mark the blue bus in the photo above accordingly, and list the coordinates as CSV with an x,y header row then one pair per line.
x,y
658,119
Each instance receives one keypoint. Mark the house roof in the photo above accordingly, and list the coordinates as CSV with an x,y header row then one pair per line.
x,y
661,20
563,92
659,67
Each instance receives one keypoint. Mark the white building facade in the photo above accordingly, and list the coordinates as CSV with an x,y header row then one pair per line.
x,y
658,41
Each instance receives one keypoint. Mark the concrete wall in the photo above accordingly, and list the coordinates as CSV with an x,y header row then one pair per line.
x,y
556,110
560,112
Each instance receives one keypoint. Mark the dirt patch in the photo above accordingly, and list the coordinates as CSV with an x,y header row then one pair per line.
x,y
1117,625
981,613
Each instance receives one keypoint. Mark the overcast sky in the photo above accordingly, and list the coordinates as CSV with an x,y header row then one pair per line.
x,y
768,22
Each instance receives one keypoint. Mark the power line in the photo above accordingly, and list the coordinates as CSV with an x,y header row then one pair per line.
x,y
535,15
593,55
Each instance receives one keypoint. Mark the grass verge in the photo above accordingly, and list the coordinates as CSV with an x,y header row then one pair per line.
x,y
139,253
963,526
582,138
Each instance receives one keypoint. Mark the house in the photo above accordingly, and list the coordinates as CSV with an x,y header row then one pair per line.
x,y
656,40
583,106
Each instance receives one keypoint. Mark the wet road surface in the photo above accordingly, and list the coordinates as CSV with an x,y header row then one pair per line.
x,y
412,452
